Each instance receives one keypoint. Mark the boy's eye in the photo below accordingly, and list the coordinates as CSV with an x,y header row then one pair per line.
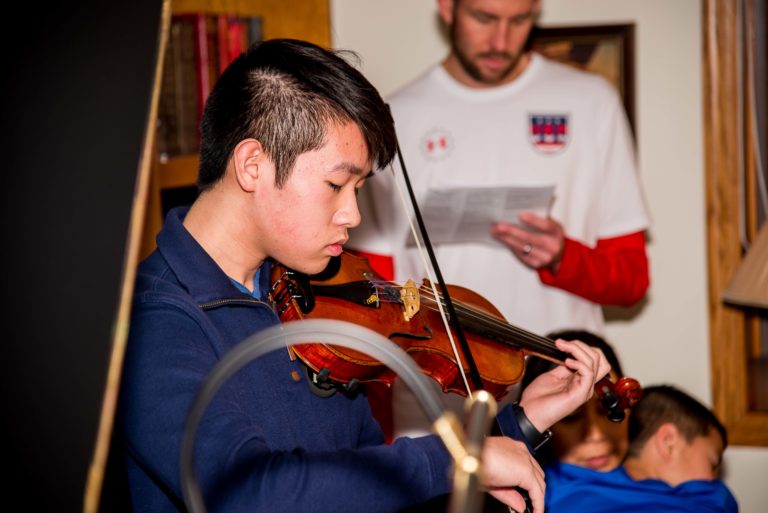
x,y
334,187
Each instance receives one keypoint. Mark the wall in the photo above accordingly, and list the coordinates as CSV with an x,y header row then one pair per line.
x,y
667,340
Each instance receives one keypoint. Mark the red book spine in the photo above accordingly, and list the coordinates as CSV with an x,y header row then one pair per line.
x,y
202,62
223,43
236,34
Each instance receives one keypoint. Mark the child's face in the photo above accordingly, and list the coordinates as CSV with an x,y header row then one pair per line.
x,y
306,222
588,439
699,459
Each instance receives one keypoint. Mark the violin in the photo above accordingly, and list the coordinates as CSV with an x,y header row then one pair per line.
x,y
409,315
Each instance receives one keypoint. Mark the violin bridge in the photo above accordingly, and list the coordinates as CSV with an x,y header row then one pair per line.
x,y
409,294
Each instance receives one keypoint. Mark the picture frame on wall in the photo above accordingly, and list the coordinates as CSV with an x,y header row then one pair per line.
x,y
607,50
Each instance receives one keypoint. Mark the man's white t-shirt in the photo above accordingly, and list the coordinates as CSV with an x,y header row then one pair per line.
x,y
553,125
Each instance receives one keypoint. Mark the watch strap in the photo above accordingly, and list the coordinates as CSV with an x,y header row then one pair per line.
x,y
535,438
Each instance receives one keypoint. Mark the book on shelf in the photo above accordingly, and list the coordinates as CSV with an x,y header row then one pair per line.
x,y
200,47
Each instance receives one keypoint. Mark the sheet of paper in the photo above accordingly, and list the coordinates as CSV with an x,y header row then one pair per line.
x,y
466,214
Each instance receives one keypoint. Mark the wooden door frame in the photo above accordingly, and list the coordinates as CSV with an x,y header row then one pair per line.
x,y
728,149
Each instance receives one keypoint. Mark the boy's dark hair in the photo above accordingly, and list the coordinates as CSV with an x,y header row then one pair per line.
x,y
284,92
537,366
664,403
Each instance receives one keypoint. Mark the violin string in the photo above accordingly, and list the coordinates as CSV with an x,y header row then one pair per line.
x,y
500,326
507,332
491,322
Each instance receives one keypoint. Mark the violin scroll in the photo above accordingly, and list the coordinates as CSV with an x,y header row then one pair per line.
x,y
616,397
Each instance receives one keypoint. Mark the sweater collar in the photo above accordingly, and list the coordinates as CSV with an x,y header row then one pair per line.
x,y
197,272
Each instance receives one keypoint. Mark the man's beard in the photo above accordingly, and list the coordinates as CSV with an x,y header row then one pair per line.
x,y
471,69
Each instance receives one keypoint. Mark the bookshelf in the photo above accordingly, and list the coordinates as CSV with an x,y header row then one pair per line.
x,y
299,19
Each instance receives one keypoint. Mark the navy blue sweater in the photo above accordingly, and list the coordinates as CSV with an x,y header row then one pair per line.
x,y
266,442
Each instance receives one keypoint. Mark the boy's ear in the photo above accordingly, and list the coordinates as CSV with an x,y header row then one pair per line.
x,y
666,440
246,158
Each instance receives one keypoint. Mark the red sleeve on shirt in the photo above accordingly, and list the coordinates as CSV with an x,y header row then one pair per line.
x,y
615,272
382,264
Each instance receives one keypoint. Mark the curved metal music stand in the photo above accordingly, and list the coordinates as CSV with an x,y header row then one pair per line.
x,y
356,337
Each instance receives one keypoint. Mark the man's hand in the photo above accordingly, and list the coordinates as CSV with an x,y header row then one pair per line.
x,y
507,464
555,394
539,247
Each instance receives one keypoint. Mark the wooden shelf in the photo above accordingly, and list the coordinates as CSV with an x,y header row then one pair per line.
x,y
298,19
179,171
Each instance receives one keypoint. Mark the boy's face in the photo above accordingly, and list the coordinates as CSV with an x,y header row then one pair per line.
x,y
305,223
698,459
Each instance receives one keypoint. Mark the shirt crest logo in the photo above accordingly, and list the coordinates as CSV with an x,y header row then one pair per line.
x,y
549,133
436,144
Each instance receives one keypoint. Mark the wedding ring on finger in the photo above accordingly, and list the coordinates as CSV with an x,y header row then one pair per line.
x,y
527,249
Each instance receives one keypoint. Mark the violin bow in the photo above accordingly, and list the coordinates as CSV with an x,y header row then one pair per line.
x,y
474,373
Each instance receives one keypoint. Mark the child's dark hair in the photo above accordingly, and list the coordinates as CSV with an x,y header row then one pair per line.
x,y
664,403
537,366
284,93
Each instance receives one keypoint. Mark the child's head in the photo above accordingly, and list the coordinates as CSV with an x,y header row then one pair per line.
x,y
285,94
289,135
586,437
680,437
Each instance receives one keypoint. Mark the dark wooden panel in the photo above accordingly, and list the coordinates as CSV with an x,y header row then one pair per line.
x,y
73,107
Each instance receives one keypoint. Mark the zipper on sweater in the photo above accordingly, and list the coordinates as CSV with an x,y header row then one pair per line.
x,y
236,301
252,302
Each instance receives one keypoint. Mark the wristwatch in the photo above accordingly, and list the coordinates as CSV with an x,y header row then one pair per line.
x,y
535,438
